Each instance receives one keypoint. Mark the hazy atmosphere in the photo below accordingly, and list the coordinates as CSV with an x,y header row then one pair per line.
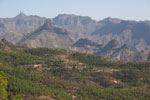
x,y
97,9
74,49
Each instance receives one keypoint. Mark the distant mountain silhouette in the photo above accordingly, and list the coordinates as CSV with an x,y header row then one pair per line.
x,y
85,33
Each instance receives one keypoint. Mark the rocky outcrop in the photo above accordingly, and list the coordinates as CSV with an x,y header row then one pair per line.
x,y
49,36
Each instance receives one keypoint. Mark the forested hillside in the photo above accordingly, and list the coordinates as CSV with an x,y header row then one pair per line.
x,y
57,74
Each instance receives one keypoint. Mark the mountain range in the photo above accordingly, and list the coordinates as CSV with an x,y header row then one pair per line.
x,y
111,37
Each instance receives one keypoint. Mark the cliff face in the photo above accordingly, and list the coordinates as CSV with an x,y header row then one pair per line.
x,y
78,26
99,37
134,34
49,36
14,29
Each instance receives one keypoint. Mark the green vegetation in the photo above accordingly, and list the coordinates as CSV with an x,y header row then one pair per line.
x,y
3,86
18,97
41,74
92,60
95,93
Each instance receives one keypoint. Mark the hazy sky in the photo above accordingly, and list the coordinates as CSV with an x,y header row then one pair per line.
x,y
97,9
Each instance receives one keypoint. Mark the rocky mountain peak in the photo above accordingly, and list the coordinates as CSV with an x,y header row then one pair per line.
x,y
111,20
71,19
48,24
24,28
21,15
65,15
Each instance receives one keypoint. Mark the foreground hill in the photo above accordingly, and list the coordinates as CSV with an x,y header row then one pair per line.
x,y
57,74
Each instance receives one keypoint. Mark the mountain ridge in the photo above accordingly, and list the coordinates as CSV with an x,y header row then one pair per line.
x,y
21,28
48,36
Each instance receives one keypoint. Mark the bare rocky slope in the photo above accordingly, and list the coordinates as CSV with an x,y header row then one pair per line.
x,y
14,29
66,30
49,36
